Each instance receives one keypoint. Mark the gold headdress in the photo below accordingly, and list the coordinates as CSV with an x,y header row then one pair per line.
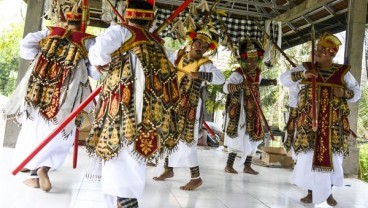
x,y
330,42
74,12
206,33
250,48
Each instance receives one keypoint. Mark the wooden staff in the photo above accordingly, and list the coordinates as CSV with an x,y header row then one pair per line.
x,y
116,12
57,130
84,15
314,107
83,29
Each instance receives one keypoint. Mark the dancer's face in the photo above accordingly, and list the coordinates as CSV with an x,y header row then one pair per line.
x,y
198,48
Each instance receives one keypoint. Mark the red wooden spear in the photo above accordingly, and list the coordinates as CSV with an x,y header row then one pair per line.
x,y
57,130
84,15
116,12
75,148
208,128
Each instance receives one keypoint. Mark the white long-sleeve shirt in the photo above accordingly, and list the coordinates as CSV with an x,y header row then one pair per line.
x,y
218,77
286,80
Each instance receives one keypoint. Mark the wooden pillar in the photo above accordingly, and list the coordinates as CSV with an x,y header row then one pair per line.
x,y
33,23
353,56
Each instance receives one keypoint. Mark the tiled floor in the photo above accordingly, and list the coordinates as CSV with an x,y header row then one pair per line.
x,y
220,190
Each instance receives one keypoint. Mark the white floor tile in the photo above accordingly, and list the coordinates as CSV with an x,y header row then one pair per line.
x,y
269,189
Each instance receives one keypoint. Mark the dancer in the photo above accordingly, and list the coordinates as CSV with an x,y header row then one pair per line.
x,y
320,153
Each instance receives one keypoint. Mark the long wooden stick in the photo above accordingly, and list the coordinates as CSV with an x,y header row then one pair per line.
x,y
116,12
84,15
259,109
314,107
75,148
57,130
209,129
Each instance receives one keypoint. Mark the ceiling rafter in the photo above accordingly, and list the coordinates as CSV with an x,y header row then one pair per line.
x,y
303,8
296,16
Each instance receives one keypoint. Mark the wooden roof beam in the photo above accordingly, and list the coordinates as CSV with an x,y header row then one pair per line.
x,y
302,9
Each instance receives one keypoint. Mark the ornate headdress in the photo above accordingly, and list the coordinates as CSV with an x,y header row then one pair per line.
x,y
140,14
73,16
330,42
74,12
250,48
207,34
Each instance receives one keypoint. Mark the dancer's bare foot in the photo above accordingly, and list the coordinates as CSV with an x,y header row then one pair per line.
x,y
230,169
192,184
32,182
307,199
45,183
164,175
331,201
249,169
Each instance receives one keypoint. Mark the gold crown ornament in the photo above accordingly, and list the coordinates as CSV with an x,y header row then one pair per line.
x,y
206,34
250,48
330,42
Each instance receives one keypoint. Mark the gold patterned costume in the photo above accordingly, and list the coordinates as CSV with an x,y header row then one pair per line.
x,y
189,97
253,118
115,122
60,54
333,124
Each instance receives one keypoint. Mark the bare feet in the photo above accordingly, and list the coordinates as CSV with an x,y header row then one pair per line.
x,y
45,183
230,169
307,199
249,169
164,175
331,201
193,184
32,182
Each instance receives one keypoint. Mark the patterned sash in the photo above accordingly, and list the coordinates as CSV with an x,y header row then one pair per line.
x,y
115,122
253,120
333,125
189,98
60,53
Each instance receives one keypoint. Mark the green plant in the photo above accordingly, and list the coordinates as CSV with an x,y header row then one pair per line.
x,y
9,58
363,162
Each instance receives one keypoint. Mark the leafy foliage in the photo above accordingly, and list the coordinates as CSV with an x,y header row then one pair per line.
x,y
9,58
363,162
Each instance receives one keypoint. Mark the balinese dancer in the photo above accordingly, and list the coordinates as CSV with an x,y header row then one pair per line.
x,y
195,69
243,127
55,83
320,151
134,114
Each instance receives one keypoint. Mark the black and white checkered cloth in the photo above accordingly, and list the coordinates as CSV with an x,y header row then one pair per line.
x,y
237,28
